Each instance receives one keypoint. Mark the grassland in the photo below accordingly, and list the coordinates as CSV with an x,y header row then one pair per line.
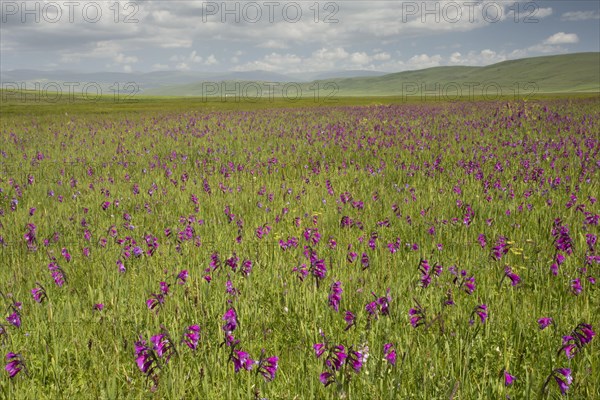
x,y
451,227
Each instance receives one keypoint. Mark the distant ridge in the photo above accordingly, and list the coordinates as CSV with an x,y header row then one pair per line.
x,y
579,72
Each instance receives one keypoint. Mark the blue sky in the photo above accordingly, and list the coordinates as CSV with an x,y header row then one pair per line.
x,y
288,36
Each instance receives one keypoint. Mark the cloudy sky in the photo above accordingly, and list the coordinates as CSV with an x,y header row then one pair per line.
x,y
288,36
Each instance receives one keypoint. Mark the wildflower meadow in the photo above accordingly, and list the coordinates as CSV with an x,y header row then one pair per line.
x,y
441,250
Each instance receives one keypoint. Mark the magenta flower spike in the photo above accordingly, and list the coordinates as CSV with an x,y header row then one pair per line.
x,y
335,295
268,368
192,336
14,319
563,378
350,318
389,353
231,321
508,379
14,364
544,322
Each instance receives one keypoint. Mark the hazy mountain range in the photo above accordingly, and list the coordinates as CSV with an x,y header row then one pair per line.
x,y
578,72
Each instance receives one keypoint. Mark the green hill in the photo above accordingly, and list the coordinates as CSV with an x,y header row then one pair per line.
x,y
578,72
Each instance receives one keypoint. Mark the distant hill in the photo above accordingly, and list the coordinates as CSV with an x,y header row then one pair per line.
x,y
549,74
578,72
561,73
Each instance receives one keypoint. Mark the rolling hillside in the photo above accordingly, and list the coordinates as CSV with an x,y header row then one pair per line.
x,y
549,74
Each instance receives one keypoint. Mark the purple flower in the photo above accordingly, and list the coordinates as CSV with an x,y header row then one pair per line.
x,y
500,249
508,379
326,378
514,278
482,240
371,308
469,284
335,295
98,307
144,356
192,336
576,286
355,359
155,301
182,277
585,333
319,349
65,254
163,345
121,266
14,364
364,261
349,317
481,311
268,368
231,322
563,378
230,289
574,342
389,352
417,316
562,240
137,251
246,267
164,287
544,322
240,360
318,269
336,358
14,319
39,293
57,274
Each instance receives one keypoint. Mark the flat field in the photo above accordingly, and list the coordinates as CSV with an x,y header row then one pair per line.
x,y
367,249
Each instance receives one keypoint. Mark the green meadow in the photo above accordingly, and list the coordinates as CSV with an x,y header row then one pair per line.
x,y
451,228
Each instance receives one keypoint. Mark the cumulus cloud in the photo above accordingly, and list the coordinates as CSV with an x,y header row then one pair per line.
x,y
562,38
580,15
424,61
473,58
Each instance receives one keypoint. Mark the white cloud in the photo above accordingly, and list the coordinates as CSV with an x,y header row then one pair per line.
x,y
539,13
421,61
194,57
211,60
123,59
325,54
580,15
360,58
562,38
127,68
473,58
274,44
383,56
157,67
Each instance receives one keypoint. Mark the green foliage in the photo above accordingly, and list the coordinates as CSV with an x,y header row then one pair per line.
x,y
382,155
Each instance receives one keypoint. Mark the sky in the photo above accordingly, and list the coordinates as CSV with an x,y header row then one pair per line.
x,y
288,36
